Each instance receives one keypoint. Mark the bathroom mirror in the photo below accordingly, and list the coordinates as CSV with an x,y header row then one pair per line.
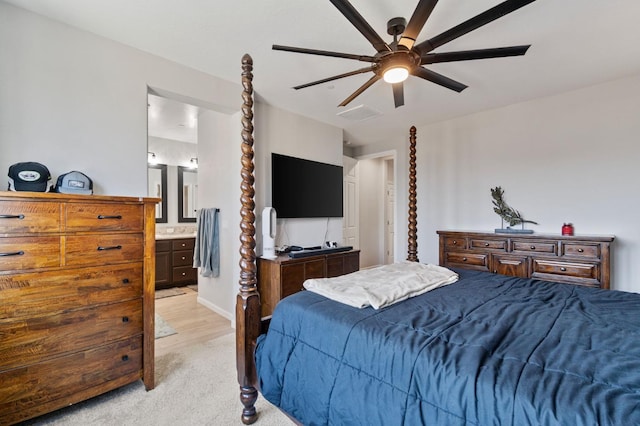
x,y
187,194
157,180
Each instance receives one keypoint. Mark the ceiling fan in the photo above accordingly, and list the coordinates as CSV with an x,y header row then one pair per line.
x,y
395,61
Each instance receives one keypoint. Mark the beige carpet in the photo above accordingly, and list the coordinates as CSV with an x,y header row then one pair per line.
x,y
197,386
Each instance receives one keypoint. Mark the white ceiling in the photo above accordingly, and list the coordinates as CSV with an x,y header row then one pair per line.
x,y
575,43
170,119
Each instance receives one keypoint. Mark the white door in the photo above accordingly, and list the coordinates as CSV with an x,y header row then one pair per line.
x,y
351,203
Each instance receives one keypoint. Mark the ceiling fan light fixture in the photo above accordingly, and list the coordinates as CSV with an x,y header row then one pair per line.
x,y
396,74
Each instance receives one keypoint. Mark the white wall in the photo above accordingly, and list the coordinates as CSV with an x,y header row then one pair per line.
x,y
75,101
573,157
398,148
219,186
286,133
371,183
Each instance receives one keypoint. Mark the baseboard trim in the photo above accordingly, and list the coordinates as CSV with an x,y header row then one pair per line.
x,y
216,309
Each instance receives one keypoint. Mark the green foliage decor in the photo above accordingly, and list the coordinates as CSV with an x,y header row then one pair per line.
x,y
508,214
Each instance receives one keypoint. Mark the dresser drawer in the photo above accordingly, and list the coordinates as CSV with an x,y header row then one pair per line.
x,y
183,258
459,243
20,253
48,293
567,269
38,338
534,247
478,261
498,245
103,217
183,244
17,217
292,279
102,249
24,390
351,262
335,266
585,250
182,274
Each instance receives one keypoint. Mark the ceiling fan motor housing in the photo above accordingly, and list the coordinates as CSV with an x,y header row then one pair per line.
x,y
400,58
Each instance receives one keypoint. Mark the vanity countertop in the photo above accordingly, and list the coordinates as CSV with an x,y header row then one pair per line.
x,y
174,236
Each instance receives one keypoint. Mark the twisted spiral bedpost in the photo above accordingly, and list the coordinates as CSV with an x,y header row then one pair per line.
x,y
248,299
412,251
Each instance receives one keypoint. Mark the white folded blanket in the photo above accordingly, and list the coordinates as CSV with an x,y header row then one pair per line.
x,y
384,285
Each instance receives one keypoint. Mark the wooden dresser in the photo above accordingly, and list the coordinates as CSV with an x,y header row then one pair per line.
x,y
284,276
582,260
77,298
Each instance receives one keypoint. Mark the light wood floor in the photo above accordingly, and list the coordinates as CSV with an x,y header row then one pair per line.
x,y
193,322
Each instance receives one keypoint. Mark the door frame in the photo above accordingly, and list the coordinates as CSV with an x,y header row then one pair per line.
x,y
387,155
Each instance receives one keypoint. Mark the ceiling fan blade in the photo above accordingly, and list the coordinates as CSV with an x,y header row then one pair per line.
x,y
417,21
335,77
361,25
440,79
363,58
360,90
469,25
398,94
467,55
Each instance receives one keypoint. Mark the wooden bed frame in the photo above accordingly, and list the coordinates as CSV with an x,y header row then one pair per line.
x,y
248,320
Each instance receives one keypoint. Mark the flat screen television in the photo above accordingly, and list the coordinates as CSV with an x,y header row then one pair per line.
x,y
304,188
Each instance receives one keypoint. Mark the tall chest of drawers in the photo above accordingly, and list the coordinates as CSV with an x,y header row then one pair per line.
x,y
77,298
580,260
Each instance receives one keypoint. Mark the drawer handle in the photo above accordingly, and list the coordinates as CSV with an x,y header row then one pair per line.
x,y
464,259
125,319
455,242
532,247
13,253
563,269
102,216
183,258
125,357
118,247
486,244
125,281
580,250
184,274
184,245
11,216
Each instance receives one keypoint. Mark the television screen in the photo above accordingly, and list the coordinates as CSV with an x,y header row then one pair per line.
x,y
303,188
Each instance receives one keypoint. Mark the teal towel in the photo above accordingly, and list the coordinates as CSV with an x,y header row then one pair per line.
x,y
206,255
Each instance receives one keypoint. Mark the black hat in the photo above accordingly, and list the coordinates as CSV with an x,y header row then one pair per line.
x,y
74,182
28,176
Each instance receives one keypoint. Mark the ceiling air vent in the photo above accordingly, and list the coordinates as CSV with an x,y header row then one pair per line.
x,y
359,113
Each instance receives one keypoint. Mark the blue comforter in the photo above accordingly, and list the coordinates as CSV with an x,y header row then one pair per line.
x,y
486,350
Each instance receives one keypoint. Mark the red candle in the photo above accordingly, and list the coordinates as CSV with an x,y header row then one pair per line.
x,y
567,229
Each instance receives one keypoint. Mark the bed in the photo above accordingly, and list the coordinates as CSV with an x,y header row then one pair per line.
x,y
486,349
